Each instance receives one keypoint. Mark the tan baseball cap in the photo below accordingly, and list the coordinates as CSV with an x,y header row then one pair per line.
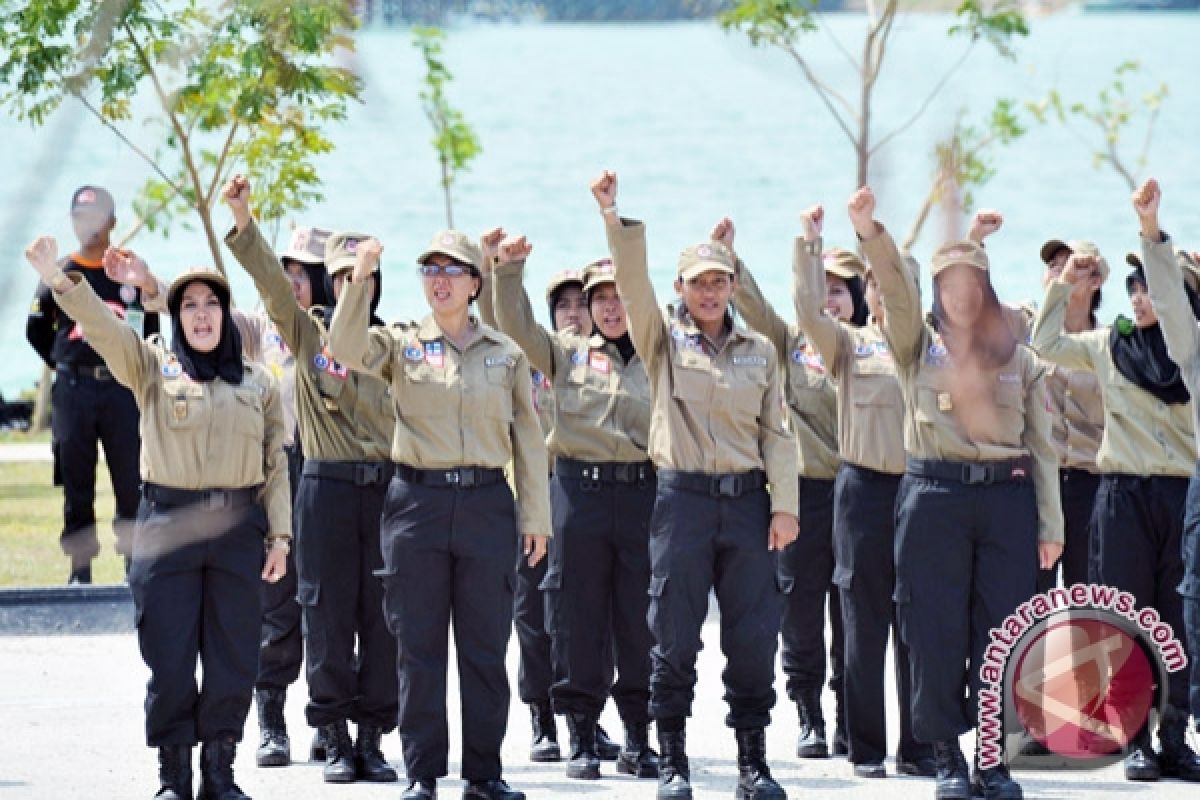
x,y
1080,246
598,273
563,278
209,275
307,246
960,252
843,263
456,245
341,250
704,257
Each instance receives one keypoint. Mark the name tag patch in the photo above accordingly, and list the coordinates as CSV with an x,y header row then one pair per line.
x,y
1009,377
498,361
749,361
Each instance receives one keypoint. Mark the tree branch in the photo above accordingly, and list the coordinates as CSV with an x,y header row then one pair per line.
x,y
216,181
125,139
837,42
908,123
826,93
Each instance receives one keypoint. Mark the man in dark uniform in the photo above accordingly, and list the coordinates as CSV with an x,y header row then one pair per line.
x,y
87,403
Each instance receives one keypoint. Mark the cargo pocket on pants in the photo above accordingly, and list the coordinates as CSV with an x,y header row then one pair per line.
x,y
551,589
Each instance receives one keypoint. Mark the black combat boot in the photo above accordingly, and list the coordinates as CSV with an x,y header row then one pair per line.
x,y
1177,759
216,770
274,747
953,781
584,763
369,763
993,783
674,773
317,750
812,742
339,753
491,790
423,789
545,735
606,748
636,757
175,772
754,777
1142,762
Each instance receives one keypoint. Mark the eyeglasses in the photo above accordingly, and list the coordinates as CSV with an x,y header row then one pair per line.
x,y
449,270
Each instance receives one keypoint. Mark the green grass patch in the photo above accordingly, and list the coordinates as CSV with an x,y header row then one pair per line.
x,y
30,523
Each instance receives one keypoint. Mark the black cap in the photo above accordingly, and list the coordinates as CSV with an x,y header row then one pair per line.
x,y
93,200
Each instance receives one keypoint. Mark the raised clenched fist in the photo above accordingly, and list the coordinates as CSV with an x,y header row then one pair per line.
x,y
986,222
604,189
724,232
813,220
42,253
489,243
366,259
1146,199
515,248
861,208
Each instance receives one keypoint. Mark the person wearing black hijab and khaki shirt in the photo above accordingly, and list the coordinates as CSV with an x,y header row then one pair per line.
x,y
806,567
344,420
978,507
450,537
602,492
870,425
1173,280
214,494
717,438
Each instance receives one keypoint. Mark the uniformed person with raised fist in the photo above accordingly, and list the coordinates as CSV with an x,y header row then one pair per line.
x,y
1148,452
717,439
806,567
345,420
451,529
214,519
978,507
602,494
1171,276
870,426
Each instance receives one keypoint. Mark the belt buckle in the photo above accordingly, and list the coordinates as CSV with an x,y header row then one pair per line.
x,y
216,500
590,481
368,474
453,477
728,486
468,477
973,474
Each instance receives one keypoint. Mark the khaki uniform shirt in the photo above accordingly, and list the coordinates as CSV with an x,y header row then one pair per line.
x,y
543,389
870,405
603,404
209,435
715,410
453,408
344,414
1142,434
811,395
1073,399
925,370
1179,326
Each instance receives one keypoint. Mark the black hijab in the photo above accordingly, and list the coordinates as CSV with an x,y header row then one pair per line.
x,y
858,297
225,360
1140,354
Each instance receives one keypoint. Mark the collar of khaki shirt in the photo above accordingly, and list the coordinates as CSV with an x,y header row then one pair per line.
x,y
430,331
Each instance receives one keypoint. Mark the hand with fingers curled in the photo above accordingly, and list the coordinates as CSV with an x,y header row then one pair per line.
x,y
861,208
604,189
366,259
724,232
812,219
236,194
489,244
514,249
985,222
784,530
1146,200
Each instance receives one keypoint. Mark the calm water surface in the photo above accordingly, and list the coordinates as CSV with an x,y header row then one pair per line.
x,y
697,124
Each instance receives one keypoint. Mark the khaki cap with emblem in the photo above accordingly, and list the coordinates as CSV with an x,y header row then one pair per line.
x,y
307,246
705,257
598,273
843,263
209,275
1073,246
563,278
456,245
341,251
961,252
1187,265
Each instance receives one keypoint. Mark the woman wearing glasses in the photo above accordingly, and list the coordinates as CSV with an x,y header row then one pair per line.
x,y
463,400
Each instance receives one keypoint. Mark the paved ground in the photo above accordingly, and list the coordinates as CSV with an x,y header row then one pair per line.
x,y
72,728
38,451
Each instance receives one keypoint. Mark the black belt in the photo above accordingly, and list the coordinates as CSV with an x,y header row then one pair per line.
x,y
592,474
210,499
360,473
727,484
454,477
100,373
972,473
